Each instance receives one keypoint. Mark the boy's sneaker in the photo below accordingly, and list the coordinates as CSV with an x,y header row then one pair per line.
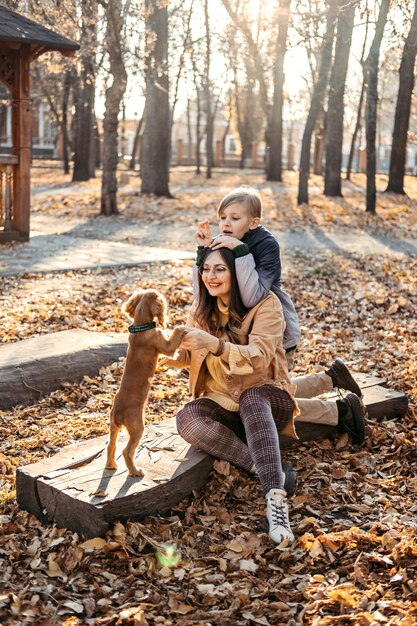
x,y
342,378
352,420
277,516
290,483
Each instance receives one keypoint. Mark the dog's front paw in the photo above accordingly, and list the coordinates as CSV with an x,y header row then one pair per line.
x,y
111,465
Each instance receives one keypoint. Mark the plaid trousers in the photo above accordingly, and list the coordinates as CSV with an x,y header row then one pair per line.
x,y
245,438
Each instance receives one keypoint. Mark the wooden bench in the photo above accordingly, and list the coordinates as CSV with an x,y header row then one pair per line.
x,y
34,367
73,490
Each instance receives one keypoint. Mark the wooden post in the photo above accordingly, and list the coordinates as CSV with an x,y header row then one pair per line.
x,y
291,156
180,146
219,153
362,159
254,154
22,143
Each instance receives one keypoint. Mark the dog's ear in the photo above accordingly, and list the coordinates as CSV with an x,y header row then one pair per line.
x,y
130,305
159,309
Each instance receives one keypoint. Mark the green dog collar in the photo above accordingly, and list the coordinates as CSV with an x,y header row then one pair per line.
x,y
138,329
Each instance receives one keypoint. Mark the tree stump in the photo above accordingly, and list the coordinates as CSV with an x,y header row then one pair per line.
x,y
33,367
74,490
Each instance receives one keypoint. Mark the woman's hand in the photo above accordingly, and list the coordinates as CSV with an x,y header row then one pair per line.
x,y
225,241
196,339
203,235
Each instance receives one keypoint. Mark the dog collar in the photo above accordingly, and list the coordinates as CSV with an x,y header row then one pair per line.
x,y
138,329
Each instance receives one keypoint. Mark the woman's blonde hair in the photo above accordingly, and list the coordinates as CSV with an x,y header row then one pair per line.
x,y
248,196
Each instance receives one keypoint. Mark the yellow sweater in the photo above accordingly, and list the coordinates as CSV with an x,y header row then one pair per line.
x,y
215,383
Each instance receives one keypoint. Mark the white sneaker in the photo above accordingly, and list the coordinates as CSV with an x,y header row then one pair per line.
x,y
277,516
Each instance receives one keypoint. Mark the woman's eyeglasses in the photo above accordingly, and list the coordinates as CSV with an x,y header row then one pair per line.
x,y
217,270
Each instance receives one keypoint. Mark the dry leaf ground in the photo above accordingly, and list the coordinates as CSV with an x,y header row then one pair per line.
x,y
354,516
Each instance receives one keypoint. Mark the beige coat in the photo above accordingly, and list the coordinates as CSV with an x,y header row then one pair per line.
x,y
260,348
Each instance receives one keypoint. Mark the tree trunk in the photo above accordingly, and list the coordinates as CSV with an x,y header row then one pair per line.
x,y
358,126
189,131
156,143
319,91
207,94
198,116
85,93
135,148
114,97
274,167
371,73
335,107
64,123
402,110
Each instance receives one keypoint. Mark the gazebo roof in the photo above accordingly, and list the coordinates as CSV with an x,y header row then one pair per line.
x,y
18,29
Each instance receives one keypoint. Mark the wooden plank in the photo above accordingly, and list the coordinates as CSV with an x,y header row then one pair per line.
x,y
33,367
74,490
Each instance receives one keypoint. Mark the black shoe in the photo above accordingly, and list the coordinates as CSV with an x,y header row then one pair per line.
x,y
290,483
342,378
352,419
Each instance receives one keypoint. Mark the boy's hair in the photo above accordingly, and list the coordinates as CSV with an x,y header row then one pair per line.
x,y
248,196
207,313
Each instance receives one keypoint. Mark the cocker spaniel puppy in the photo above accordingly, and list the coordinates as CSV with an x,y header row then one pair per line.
x,y
146,342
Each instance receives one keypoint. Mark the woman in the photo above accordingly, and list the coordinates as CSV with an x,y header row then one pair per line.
x,y
239,377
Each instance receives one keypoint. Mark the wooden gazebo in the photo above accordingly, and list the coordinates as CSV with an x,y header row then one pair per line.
x,y
21,41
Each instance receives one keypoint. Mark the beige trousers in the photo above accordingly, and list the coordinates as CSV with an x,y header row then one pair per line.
x,y
312,409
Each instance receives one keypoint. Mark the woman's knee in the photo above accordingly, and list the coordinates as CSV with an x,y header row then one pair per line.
x,y
189,418
250,397
183,420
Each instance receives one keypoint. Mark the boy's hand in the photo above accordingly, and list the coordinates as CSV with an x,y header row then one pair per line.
x,y
225,241
203,235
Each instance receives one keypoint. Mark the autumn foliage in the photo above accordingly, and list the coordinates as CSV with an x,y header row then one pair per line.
x,y
209,562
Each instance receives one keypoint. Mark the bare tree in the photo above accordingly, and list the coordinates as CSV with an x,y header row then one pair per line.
x,y
156,144
208,95
371,74
402,110
319,92
274,164
114,96
135,147
272,111
85,95
335,107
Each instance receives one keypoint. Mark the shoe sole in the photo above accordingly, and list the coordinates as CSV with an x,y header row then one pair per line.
x,y
359,415
342,370
291,479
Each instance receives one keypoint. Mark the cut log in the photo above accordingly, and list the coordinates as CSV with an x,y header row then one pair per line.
x,y
33,367
74,490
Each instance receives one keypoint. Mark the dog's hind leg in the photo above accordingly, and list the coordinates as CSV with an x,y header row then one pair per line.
x,y
111,447
129,452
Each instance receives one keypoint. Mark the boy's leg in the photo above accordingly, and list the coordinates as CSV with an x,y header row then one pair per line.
x,y
312,385
317,411
338,375
348,414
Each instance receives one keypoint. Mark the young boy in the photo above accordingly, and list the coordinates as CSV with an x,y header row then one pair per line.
x,y
258,271
258,261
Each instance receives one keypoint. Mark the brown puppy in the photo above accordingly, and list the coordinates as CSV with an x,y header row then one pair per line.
x,y
146,342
